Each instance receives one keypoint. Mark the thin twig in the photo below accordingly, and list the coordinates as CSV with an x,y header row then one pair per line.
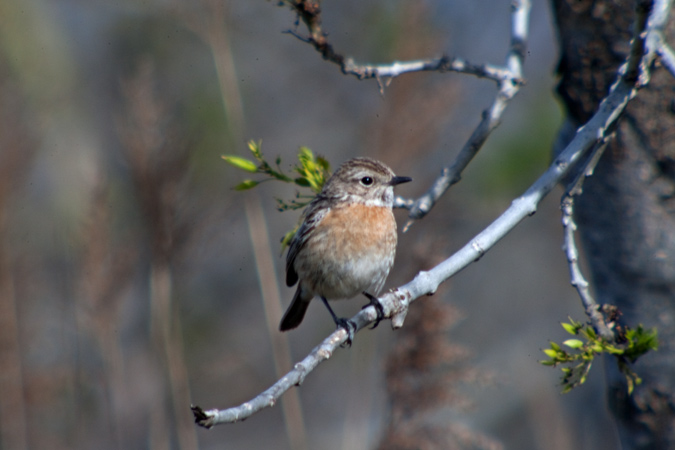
x,y
667,58
508,88
443,64
577,279
632,71
388,71
656,42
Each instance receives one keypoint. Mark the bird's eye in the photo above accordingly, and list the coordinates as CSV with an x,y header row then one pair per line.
x,y
366,181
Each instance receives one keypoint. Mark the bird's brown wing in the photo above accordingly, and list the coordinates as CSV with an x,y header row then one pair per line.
x,y
313,215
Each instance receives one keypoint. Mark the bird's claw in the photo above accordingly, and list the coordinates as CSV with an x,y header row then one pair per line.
x,y
378,308
349,327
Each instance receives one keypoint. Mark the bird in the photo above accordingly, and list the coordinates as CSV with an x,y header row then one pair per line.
x,y
346,243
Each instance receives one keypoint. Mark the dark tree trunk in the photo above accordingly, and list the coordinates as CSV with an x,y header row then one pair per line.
x,y
626,213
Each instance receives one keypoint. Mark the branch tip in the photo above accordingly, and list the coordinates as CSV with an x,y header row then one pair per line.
x,y
202,418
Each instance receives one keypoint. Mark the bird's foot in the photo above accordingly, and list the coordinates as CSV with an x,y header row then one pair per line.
x,y
378,308
349,327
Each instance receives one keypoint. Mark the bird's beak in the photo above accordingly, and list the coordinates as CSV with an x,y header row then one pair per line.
x,y
399,180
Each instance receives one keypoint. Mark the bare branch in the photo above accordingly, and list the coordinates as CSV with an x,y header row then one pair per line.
x,y
656,42
444,64
591,307
632,71
667,57
311,15
508,88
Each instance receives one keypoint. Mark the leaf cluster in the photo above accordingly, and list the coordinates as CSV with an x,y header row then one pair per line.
x,y
633,344
311,172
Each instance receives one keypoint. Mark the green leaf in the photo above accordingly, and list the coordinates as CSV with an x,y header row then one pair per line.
x,y
571,329
246,184
613,350
323,163
597,348
241,163
573,343
630,385
550,353
313,169
302,181
589,332
648,339
574,323
305,154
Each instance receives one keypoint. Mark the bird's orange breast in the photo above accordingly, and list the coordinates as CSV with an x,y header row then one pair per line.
x,y
349,251
358,228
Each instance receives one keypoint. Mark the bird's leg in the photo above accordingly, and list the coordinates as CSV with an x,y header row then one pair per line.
x,y
378,307
341,322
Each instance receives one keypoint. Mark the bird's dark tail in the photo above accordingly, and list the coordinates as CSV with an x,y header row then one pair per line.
x,y
295,313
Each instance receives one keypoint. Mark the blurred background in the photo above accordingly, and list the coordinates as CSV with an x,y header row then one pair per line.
x,y
134,281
